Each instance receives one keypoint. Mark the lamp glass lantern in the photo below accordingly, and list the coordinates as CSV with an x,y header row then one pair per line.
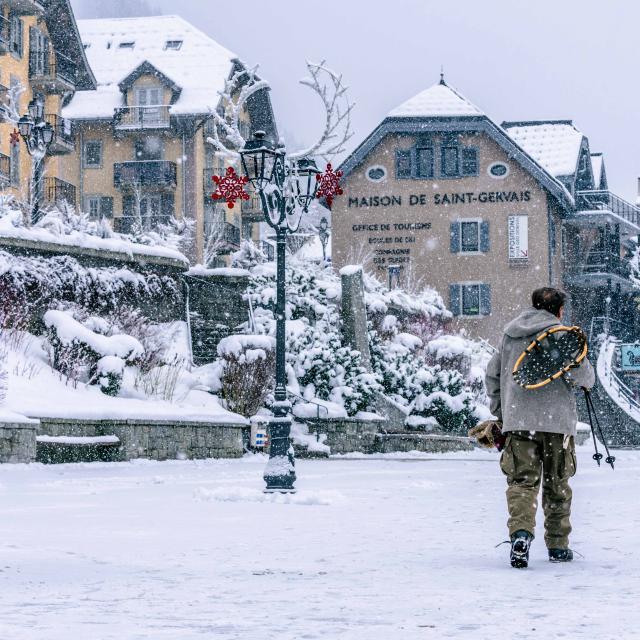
x,y
47,134
304,176
260,161
25,126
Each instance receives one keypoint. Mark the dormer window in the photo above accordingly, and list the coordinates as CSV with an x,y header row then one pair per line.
x,y
127,45
173,44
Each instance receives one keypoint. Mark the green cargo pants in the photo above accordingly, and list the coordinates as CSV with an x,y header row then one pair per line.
x,y
527,459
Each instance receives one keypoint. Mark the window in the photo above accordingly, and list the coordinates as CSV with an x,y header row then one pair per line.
x,y
99,207
470,236
469,161
470,299
498,170
149,148
127,45
403,163
173,44
449,161
376,173
150,211
16,36
92,154
424,162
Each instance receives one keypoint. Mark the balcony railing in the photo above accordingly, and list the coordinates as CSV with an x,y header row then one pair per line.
x,y
51,68
269,250
5,35
57,190
142,117
145,173
607,201
230,234
5,169
26,6
605,262
63,134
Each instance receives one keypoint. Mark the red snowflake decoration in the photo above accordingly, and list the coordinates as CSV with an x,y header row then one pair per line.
x,y
230,187
329,186
14,138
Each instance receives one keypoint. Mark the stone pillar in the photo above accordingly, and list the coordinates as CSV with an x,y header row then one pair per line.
x,y
354,312
18,442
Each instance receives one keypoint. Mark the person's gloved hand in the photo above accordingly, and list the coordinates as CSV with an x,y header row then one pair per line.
x,y
488,434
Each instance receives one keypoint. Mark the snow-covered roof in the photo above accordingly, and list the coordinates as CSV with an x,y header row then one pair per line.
x,y
554,144
596,166
184,54
438,100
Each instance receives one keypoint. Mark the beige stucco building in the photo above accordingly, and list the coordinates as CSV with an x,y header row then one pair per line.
x,y
142,150
438,194
41,59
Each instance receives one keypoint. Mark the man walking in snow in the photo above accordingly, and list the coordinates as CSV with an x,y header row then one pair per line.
x,y
540,428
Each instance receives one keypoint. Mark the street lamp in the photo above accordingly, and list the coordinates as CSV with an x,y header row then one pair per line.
x,y
286,189
323,234
37,135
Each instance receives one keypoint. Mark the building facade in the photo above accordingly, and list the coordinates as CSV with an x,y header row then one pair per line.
x,y
440,195
143,154
41,60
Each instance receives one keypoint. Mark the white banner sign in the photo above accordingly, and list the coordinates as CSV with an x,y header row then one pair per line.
x,y
518,237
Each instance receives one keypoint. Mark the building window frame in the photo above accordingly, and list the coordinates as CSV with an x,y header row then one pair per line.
x,y
420,171
98,206
444,171
460,291
16,36
85,153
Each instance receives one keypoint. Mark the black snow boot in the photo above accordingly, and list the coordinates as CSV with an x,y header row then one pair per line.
x,y
560,555
520,543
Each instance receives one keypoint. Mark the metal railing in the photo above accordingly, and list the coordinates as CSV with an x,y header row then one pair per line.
x,y
269,250
230,234
145,173
621,390
57,190
62,128
604,262
51,65
607,201
142,117
252,205
5,168
5,34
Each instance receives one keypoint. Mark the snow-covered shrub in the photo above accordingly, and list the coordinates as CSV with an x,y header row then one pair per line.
x,y
109,373
328,370
444,396
249,255
247,372
4,377
81,354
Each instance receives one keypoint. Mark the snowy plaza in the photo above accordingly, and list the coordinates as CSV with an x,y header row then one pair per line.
x,y
367,549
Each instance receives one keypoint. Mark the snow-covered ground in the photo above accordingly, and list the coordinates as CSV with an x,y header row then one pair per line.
x,y
378,549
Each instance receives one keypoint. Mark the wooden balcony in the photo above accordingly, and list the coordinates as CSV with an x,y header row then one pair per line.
x,y
51,71
141,117
63,140
57,191
145,173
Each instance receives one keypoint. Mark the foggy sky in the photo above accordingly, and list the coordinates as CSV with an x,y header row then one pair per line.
x,y
564,59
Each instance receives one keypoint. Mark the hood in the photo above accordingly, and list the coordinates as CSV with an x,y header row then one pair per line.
x,y
530,322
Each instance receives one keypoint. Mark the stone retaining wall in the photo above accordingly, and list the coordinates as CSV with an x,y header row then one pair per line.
x,y
157,440
345,435
426,442
17,442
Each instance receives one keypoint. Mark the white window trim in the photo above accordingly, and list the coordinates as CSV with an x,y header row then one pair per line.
x,y
376,166
84,154
459,221
493,164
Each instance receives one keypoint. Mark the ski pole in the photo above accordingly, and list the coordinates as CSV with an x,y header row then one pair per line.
x,y
597,456
609,459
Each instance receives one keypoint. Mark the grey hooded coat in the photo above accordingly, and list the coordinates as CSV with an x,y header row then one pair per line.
x,y
551,408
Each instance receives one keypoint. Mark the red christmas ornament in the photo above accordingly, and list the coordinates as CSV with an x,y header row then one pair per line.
x,y
230,187
329,186
14,138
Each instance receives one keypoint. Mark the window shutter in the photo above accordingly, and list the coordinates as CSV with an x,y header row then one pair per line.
x,y
484,236
403,163
16,36
168,207
469,161
455,237
106,207
485,299
454,299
